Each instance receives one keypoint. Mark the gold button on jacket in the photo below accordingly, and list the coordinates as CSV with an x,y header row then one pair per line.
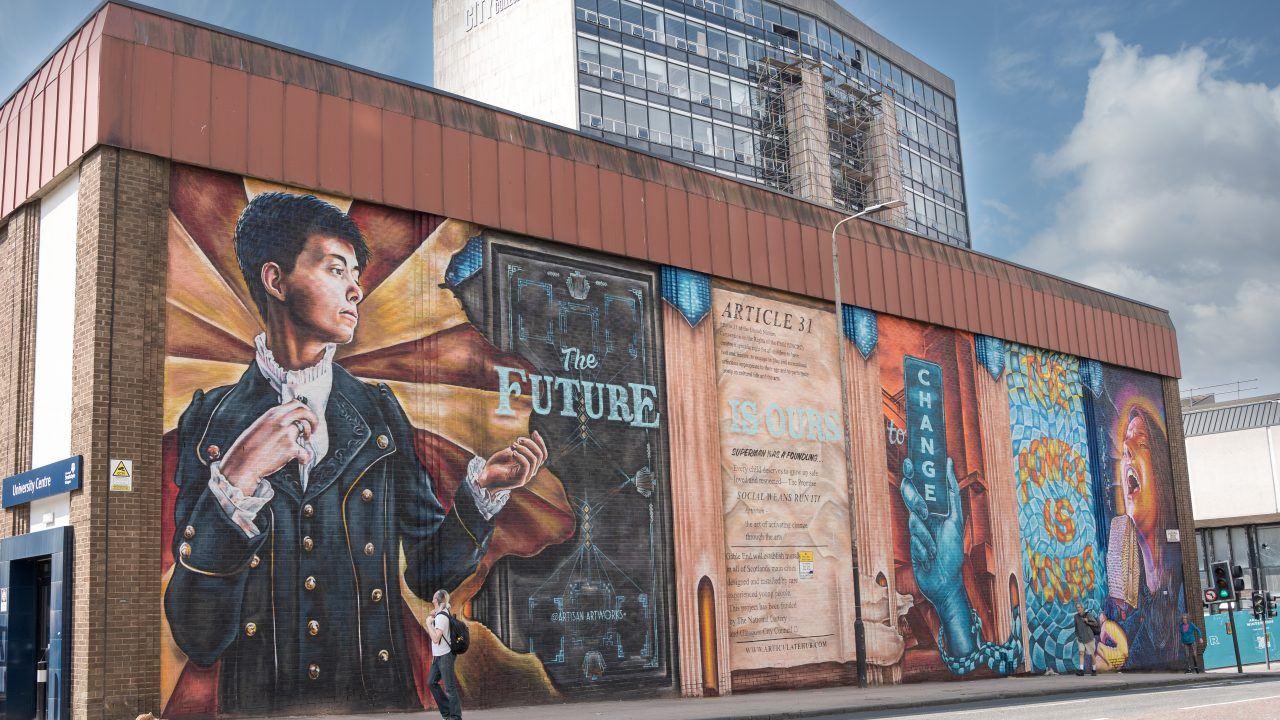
x,y
309,583
250,629
313,627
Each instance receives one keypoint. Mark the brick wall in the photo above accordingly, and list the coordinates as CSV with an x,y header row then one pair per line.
x,y
117,402
1182,496
19,248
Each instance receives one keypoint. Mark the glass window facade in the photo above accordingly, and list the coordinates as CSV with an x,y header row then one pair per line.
x,y
687,79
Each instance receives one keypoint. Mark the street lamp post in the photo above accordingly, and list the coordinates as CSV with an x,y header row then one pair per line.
x,y
859,630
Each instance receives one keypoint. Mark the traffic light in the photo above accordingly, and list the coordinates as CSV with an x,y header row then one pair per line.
x,y
1259,605
1237,582
1221,574
1271,601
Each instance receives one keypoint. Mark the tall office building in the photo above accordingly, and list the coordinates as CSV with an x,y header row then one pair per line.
x,y
801,97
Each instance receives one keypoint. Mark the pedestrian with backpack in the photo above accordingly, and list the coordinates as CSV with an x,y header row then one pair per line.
x,y
1087,628
448,639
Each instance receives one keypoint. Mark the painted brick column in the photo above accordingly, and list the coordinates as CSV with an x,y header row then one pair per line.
x,y
1182,498
117,407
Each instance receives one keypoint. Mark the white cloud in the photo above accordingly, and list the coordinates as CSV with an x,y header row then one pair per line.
x,y
1175,200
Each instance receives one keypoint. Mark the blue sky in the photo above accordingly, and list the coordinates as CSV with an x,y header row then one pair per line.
x,y
1132,146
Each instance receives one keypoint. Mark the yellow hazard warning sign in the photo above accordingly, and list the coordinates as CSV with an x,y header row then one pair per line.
x,y
121,475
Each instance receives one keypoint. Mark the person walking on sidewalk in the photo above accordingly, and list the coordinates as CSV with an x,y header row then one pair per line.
x,y
1087,628
1190,634
442,658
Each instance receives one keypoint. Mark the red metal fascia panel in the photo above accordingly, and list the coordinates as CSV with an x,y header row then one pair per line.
x,y
586,181
151,104
511,187
1010,303
699,233
228,133
633,217
117,22
766,251
1035,330
1063,311
49,146
335,144
932,280
5,180
739,244
746,245
397,159
919,295
612,237
428,174
302,136
456,157
1111,353
875,297
898,282
62,147
980,307
720,242
366,152
192,87
966,294
813,257
758,244
33,124
945,293
537,183
794,256
990,296
1148,346
655,225
1075,327
678,227
266,128
860,276
7,200
564,213
92,82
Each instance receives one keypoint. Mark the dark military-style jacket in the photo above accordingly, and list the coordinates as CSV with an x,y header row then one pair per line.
x,y
309,611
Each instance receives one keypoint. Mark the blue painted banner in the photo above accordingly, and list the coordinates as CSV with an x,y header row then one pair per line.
x,y
52,479
1218,651
926,432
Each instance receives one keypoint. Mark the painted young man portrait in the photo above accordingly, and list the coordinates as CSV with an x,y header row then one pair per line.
x,y
302,491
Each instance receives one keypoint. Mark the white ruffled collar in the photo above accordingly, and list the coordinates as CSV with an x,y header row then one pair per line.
x,y
279,377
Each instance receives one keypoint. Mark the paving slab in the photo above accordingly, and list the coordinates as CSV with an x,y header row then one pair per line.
x,y
791,705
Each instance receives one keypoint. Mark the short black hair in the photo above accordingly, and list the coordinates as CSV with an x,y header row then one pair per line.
x,y
274,227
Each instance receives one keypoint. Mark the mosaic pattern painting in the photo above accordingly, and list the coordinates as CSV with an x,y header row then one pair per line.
x,y
1061,560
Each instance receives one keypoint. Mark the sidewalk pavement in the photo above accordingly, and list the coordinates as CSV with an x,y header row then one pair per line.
x,y
789,705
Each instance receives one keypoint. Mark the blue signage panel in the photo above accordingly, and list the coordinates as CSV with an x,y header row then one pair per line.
x,y
1219,652
52,479
926,432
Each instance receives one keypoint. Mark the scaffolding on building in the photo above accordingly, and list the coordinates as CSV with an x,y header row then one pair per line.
x,y
826,139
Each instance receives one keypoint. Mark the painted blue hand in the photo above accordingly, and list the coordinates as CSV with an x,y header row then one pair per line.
x,y
937,553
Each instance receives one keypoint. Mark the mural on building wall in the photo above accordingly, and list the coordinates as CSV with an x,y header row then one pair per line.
x,y
1062,562
363,405
1135,506
471,414
942,523
786,500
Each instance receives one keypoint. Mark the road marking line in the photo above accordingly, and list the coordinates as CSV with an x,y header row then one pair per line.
x,y
1230,702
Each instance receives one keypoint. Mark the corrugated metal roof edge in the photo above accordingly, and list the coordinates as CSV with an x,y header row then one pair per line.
x,y
1088,290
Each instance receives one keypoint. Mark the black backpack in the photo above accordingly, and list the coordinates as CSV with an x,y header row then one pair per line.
x,y
460,636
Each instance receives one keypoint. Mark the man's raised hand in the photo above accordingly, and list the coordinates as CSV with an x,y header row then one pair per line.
x,y
515,465
269,444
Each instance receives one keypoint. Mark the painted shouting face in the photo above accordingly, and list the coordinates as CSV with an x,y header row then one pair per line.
x,y
1141,497
322,291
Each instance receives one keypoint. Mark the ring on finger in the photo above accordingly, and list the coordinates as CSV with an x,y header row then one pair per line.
x,y
301,426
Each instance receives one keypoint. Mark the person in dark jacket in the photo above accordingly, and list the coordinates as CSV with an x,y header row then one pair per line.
x,y
1086,637
300,489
